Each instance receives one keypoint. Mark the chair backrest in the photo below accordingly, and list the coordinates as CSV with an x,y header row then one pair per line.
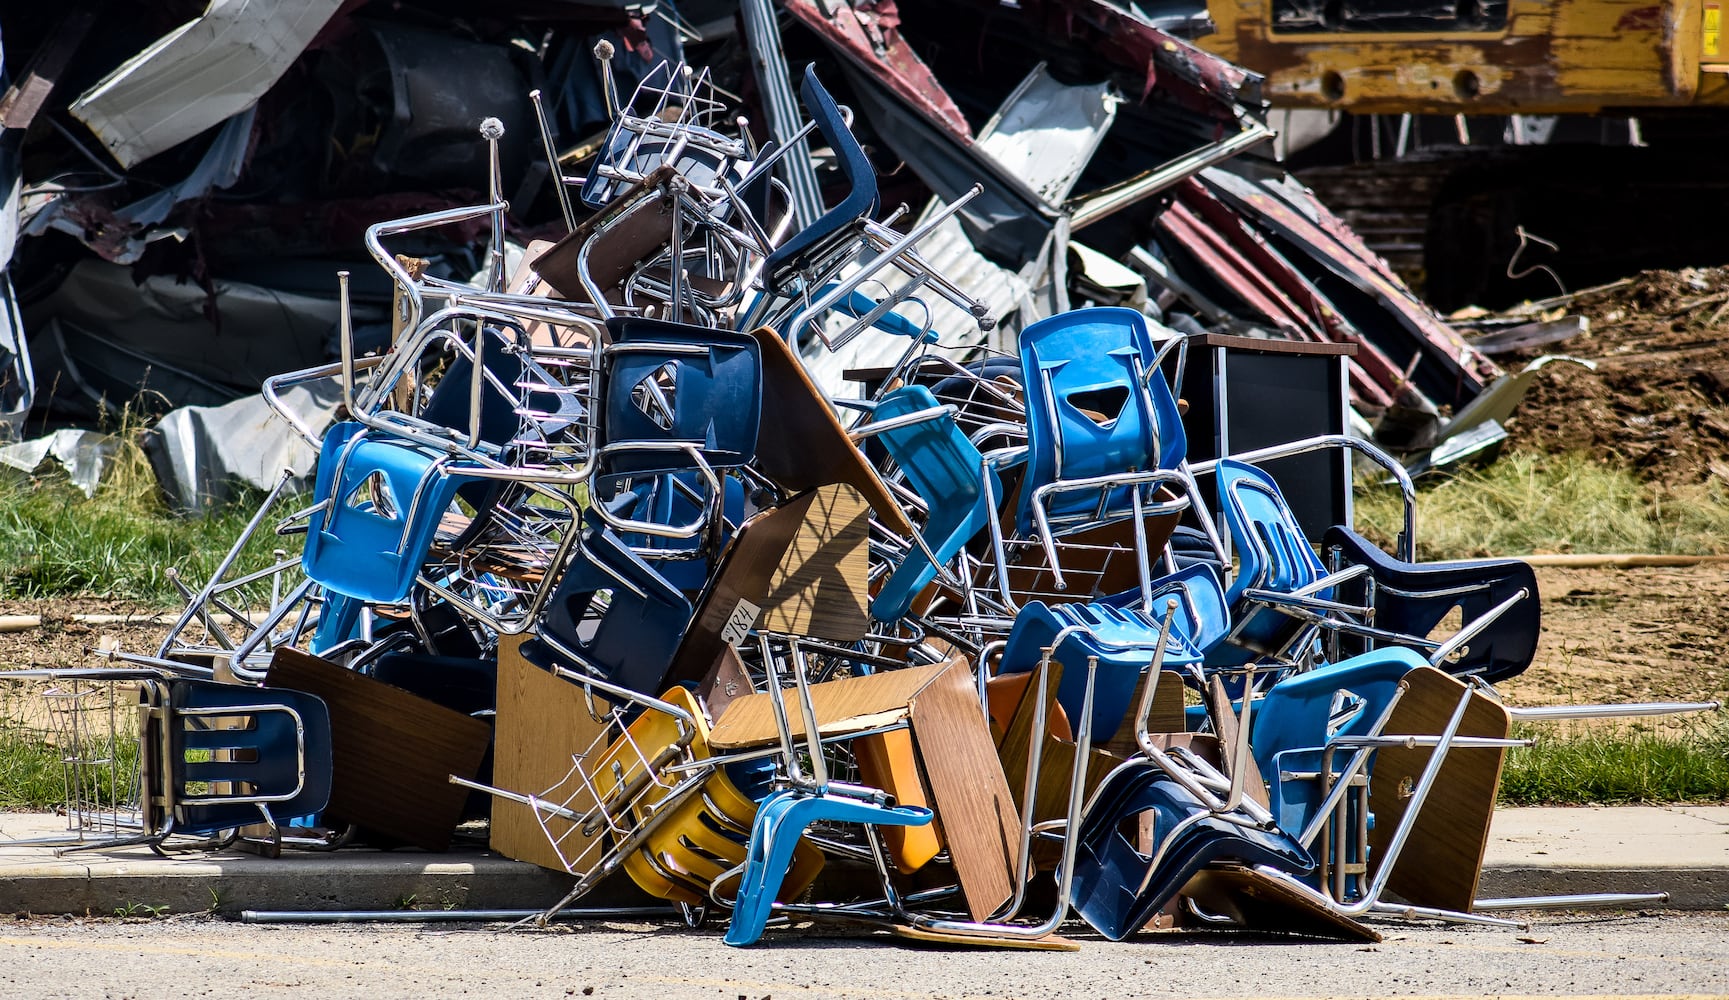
x,y
265,746
946,471
1272,552
861,198
634,635
1092,409
385,499
673,383
1413,598
1348,698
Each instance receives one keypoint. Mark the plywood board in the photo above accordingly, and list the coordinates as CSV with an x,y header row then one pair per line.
x,y
800,568
392,752
1443,858
849,704
980,823
1056,762
803,445
733,601
1165,715
820,587
542,722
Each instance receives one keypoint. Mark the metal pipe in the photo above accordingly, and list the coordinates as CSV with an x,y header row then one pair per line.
x,y
1554,712
1570,902
442,916
1114,199
762,38
551,149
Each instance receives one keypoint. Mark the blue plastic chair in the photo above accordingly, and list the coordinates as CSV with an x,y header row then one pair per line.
x,y
1273,556
1110,872
674,383
947,473
632,642
1124,638
784,267
1303,712
668,499
279,766
1076,365
385,498
780,822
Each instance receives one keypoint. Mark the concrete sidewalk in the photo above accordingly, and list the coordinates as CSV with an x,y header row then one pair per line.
x,y
1682,850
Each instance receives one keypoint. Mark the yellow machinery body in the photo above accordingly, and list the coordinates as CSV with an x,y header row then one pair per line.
x,y
1530,57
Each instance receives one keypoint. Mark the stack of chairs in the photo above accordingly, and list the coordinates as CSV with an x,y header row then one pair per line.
x,y
979,634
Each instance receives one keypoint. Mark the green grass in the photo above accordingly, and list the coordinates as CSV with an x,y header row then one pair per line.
x,y
119,543
1527,503
32,776
1617,765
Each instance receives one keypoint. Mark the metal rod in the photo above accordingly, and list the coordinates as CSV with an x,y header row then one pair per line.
x,y
1569,902
441,916
1634,709
547,144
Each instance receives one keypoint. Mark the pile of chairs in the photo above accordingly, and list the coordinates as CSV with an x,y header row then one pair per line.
x,y
972,649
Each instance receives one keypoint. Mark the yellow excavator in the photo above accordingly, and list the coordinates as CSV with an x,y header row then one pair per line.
x,y
1504,191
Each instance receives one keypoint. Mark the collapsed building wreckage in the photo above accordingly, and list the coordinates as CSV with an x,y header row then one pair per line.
x,y
189,253
729,530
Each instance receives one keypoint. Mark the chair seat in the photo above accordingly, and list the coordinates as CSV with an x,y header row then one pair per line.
x,y
1110,869
775,835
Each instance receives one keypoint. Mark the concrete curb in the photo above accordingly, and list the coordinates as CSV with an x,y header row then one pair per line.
x,y
1684,852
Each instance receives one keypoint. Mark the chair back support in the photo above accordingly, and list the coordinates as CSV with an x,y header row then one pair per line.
x,y
945,470
265,747
1092,410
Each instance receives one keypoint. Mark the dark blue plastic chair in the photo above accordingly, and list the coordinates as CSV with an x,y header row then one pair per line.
x,y
780,822
1110,871
1412,599
670,383
1085,363
784,266
668,498
278,762
947,473
630,641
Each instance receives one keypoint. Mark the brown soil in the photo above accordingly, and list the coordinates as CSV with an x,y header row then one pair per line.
x,y
1658,402
1617,635
60,641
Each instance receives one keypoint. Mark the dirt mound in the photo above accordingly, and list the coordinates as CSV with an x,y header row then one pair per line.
x,y
1658,402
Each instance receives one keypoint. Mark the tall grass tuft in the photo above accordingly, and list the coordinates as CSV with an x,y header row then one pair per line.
x,y
118,543
1613,766
1527,503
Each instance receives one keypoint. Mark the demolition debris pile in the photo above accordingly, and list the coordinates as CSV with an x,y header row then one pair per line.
x,y
1658,399
730,532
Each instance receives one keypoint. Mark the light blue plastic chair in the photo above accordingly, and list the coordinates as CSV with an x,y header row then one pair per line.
x,y
384,498
1274,558
1123,636
780,822
947,472
1303,713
